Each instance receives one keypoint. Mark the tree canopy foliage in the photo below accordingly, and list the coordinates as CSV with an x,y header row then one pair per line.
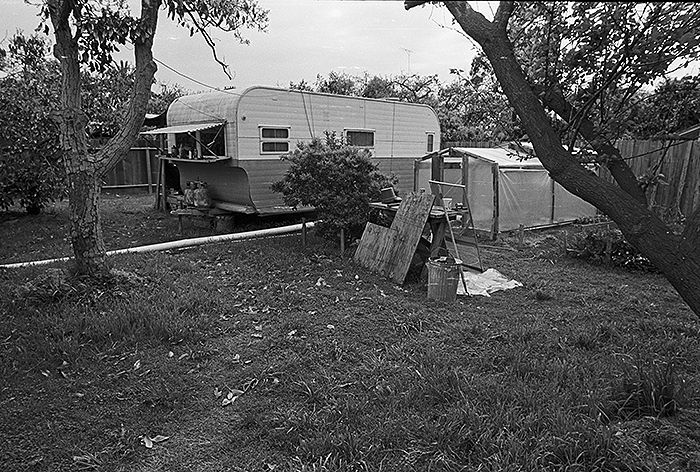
x,y
31,168
31,172
673,106
470,108
602,58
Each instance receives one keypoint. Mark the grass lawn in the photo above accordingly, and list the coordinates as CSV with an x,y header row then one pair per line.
x,y
264,355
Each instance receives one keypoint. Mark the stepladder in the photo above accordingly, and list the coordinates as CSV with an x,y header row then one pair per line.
x,y
461,231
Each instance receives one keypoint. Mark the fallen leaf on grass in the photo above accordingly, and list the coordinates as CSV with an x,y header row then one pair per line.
x,y
149,442
321,282
252,383
145,372
231,397
34,461
87,461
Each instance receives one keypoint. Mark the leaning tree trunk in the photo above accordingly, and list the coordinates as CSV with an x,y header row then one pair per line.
x,y
86,170
676,256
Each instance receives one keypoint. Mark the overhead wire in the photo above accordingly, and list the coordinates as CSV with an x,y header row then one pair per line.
x,y
478,92
218,89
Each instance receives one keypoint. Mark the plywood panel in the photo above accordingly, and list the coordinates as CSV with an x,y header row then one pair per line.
x,y
375,248
389,251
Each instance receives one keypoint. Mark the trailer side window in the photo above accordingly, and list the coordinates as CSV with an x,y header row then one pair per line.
x,y
274,140
360,138
431,142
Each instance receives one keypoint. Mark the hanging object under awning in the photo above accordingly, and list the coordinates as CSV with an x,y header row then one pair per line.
x,y
156,120
185,128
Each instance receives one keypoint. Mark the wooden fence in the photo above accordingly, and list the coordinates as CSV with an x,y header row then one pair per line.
x,y
138,170
678,161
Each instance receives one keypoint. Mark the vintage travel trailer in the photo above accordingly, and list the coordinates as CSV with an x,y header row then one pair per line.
x,y
234,141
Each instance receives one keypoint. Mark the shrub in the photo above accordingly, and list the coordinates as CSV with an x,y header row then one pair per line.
x,y
608,246
338,180
31,180
31,172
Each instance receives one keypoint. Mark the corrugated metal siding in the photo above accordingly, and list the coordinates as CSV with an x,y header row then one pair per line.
x,y
205,107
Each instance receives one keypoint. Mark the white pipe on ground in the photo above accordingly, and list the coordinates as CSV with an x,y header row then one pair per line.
x,y
182,243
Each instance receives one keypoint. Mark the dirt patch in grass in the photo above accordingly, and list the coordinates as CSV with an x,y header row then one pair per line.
x,y
266,355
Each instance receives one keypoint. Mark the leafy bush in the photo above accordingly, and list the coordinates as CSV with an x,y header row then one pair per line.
x,y
30,180
338,180
608,246
31,172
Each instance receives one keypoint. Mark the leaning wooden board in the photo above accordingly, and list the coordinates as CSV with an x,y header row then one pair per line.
x,y
389,251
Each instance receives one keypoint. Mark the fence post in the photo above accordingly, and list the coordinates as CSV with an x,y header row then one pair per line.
x,y
342,242
148,171
521,235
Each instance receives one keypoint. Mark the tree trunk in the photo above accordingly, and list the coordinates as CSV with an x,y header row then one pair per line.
x,y
677,256
85,228
86,170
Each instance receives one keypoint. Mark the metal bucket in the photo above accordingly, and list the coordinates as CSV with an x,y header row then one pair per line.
x,y
443,278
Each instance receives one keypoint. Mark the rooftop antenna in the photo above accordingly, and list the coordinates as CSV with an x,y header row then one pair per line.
x,y
408,53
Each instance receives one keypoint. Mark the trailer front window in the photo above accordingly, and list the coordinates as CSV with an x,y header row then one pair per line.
x,y
274,140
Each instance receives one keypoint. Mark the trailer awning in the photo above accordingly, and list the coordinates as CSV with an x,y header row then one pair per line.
x,y
185,128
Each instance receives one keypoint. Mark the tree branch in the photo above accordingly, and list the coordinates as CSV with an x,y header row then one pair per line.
x,y
554,99
145,68
210,42
503,14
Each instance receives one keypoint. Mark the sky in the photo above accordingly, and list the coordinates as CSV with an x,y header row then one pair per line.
x,y
304,38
